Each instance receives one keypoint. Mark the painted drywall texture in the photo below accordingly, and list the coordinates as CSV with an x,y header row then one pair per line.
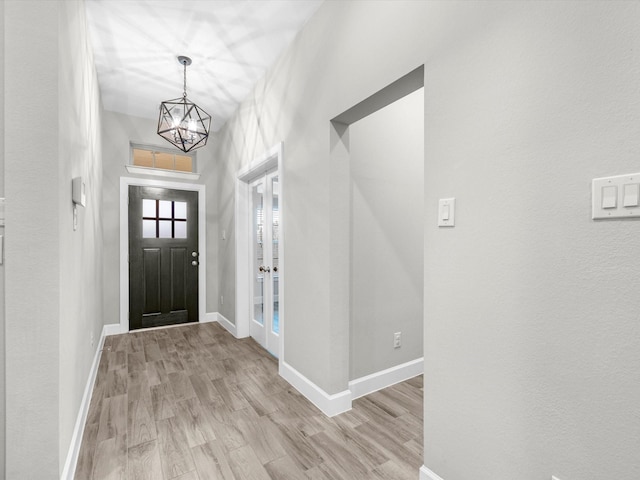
x,y
32,249
532,328
121,130
81,250
54,275
532,347
387,190
2,290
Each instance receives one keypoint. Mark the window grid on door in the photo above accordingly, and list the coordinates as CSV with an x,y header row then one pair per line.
x,y
164,219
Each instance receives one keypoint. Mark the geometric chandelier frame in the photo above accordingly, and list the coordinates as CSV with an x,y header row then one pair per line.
x,y
181,122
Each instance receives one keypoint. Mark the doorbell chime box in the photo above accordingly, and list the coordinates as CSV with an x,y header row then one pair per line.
x,y
78,193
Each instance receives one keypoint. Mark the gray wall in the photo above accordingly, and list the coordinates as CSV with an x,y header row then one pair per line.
x,y
53,274
531,341
387,190
2,291
81,251
120,131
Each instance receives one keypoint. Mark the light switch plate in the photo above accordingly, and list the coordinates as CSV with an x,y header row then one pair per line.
x,y
623,186
447,212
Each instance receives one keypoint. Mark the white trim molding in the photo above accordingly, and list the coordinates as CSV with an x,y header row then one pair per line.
x,y
125,182
330,405
377,381
71,461
230,327
273,158
210,317
113,329
222,320
426,474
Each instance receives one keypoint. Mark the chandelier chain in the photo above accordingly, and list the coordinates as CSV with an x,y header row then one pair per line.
x,y
184,94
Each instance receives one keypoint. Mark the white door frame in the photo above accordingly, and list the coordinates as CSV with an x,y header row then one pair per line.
x,y
124,242
259,166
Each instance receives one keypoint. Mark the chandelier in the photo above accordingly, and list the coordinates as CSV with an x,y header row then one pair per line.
x,y
182,122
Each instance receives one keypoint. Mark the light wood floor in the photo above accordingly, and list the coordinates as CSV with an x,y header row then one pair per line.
x,y
194,403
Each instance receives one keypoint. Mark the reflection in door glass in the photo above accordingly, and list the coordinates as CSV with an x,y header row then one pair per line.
x,y
257,195
275,220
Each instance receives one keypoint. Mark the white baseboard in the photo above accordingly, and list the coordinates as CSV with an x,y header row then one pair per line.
x,y
76,440
209,317
230,327
330,405
377,381
112,329
426,474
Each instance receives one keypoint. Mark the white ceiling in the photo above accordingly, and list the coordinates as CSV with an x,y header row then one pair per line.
x,y
231,42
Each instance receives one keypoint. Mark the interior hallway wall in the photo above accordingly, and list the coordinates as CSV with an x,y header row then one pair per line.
x,y
53,273
2,292
121,130
81,250
387,200
532,348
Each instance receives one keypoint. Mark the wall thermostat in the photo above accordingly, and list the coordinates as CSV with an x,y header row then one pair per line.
x,y
78,193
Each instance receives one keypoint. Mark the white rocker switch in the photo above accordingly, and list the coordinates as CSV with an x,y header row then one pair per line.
x,y
630,195
609,197
446,212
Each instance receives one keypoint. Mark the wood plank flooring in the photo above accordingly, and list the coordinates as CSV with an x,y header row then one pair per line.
x,y
194,403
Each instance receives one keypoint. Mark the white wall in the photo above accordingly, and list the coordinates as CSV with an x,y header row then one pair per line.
x,y
531,344
32,247
121,130
79,154
53,274
2,291
387,201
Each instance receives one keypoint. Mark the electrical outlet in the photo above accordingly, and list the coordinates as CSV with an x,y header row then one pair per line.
x,y
221,299
397,340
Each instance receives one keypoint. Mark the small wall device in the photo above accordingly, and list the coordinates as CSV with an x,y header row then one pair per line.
x,y
78,192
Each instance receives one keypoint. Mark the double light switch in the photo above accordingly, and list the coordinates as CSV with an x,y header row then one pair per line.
x,y
616,197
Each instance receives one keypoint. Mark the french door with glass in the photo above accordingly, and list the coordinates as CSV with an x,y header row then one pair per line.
x,y
265,311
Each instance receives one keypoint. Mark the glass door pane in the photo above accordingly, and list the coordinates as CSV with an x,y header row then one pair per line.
x,y
257,201
275,224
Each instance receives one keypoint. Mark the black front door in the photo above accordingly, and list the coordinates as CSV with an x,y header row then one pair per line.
x,y
163,257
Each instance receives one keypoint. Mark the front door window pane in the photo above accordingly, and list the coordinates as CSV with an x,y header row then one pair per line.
x,y
148,228
180,230
164,219
148,208
165,209
180,210
164,230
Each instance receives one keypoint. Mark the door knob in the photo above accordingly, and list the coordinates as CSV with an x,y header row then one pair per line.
x,y
194,254
194,263
264,269
275,269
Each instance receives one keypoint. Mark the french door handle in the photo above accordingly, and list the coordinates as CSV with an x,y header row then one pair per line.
x,y
264,269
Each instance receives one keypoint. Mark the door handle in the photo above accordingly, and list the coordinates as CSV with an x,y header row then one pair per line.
x,y
194,254
264,269
194,263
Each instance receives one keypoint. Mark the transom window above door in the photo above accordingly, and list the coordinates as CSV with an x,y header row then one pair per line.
x,y
164,219
164,162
